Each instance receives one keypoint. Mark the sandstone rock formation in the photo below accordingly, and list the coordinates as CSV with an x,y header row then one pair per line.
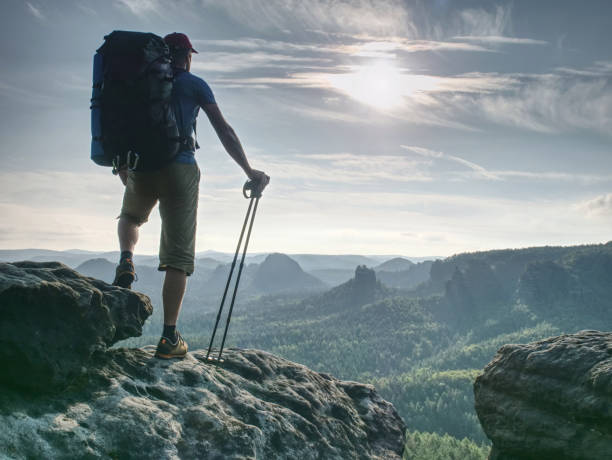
x,y
53,319
127,404
254,406
550,399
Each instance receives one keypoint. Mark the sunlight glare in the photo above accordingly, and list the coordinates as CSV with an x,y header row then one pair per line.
x,y
378,85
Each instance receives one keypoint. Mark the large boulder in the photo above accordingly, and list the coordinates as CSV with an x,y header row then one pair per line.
x,y
550,399
255,405
53,319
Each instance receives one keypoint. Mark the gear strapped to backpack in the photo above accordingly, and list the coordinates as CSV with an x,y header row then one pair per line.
x,y
132,120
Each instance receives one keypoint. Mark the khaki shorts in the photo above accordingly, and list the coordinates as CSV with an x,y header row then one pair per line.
x,y
176,188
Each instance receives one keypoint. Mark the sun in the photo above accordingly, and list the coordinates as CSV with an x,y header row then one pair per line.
x,y
380,85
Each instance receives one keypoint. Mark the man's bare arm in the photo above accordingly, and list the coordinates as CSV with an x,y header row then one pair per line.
x,y
230,140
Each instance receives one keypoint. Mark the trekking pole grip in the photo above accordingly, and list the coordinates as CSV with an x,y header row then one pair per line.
x,y
251,186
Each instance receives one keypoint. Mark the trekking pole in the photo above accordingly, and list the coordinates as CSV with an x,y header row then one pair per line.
x,y
246,219
246,245
254,197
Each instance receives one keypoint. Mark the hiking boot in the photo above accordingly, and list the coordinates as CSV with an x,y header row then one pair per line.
x,y
168,350
125,274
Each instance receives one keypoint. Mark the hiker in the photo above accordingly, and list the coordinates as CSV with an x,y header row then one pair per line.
x,y
175,186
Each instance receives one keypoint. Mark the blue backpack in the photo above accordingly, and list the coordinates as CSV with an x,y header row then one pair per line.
x,y
132,121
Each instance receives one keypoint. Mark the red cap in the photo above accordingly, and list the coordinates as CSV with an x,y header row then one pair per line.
x,y
178,41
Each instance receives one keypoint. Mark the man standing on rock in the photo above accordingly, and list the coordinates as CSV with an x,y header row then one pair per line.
x,y
176,187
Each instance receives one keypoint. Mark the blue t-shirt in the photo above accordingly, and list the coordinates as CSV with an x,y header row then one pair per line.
x,y
189,93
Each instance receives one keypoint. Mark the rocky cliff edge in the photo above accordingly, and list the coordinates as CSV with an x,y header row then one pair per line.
x,y
64,394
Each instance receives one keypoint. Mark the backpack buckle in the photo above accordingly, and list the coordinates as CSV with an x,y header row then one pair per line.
x,y
130,163
117,165
132,160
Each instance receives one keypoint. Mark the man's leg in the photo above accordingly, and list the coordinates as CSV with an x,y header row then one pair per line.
x,y
171,344
127,230
175,283
178,205
139,198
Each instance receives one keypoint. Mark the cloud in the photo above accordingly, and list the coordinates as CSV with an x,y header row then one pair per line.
x,y
496,39
598,69
35,11
375,20
600,206
477,169
69,188
27,95
550,104
258,44
605,67
141,7
60,208
53,227
340,169
234,62
358,45
402,97
483,23
408,84
86,9
489,27
584,179
458,223
546,103
383,48
347,168
320,113
381,17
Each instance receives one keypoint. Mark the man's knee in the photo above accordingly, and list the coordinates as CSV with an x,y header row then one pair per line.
x,y
128,219
176,270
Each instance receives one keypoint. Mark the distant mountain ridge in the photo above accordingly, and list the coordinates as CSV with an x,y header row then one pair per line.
x,y
264,274
395,265
409,278
280,273
98,268
308,262
276,274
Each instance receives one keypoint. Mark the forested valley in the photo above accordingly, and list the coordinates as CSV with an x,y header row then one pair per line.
x,y
423,345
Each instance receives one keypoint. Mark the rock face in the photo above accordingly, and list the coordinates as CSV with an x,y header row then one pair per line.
x,y
364,285
255,405
127,404
53,319
550,399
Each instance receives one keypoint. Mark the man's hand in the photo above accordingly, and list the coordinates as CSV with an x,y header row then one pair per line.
x,y
123,175
260,180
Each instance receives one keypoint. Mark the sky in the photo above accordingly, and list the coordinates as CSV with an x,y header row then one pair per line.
x,y
420,128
